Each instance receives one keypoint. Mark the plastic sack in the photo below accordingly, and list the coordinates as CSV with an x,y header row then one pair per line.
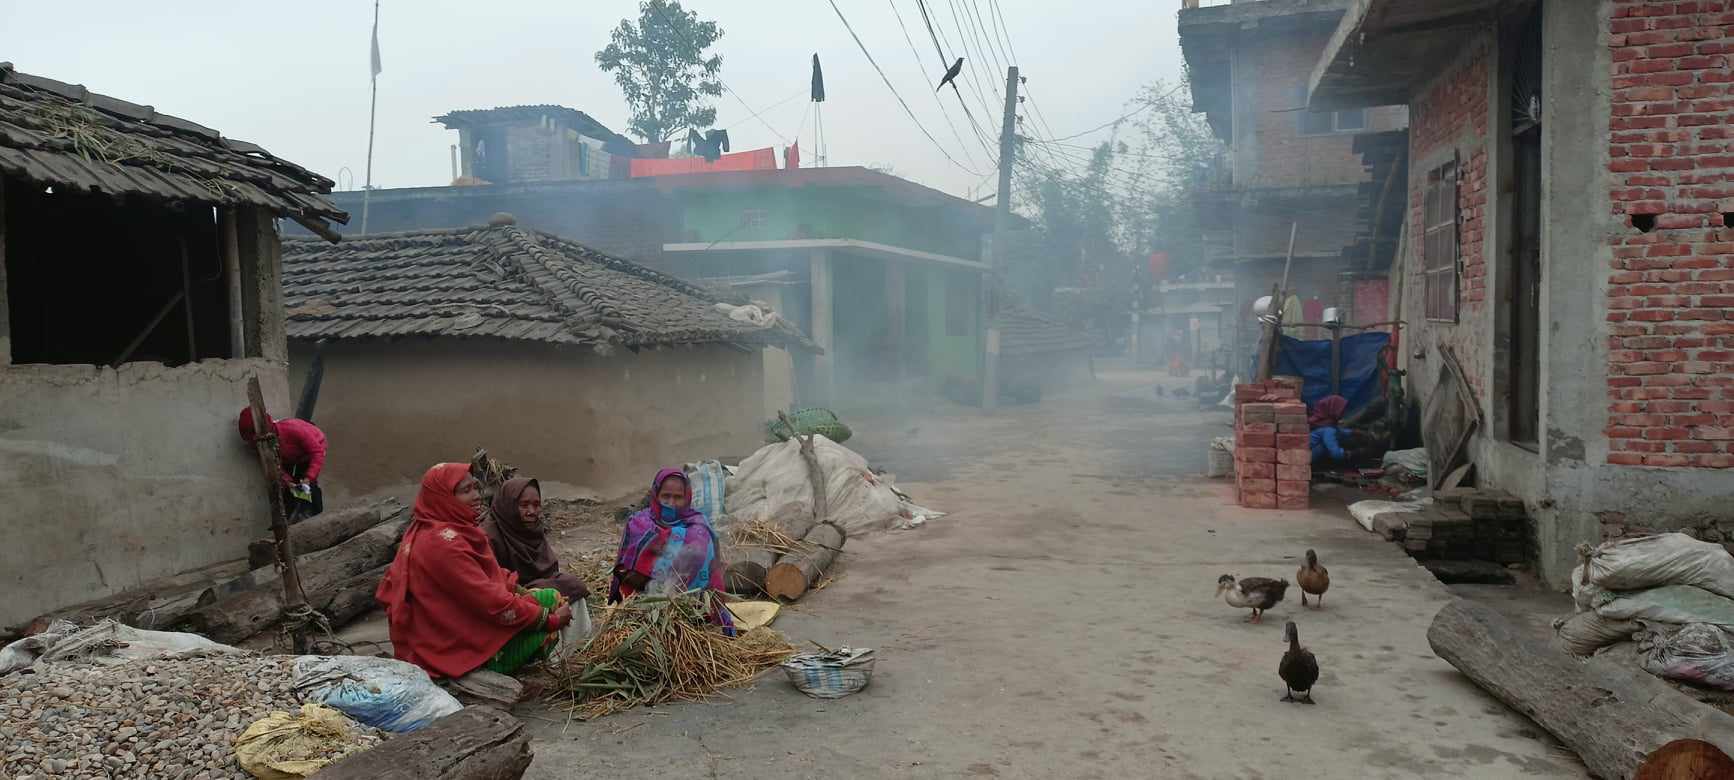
x,y
1657,561
707,479
1586,632
1679,604
1413,461
281,746
110,642
1366,511
1696,653
773,482
380,692
23,653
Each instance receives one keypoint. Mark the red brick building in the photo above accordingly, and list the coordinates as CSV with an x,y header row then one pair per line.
x,y
1248,63
1569,243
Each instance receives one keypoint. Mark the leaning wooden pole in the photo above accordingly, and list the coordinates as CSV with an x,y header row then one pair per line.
x,y
265,439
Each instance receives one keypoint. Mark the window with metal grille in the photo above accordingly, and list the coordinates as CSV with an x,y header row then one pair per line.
x,y
1439,242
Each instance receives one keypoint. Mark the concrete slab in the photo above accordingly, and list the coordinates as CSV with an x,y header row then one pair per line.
x,y
1060,623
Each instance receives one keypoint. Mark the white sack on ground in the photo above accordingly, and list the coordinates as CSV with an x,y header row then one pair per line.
x,y
1697,653
1656,561
110,642
1584,633
773,482
1677,604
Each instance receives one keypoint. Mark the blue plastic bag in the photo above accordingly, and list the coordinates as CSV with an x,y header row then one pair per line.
x,y
383,693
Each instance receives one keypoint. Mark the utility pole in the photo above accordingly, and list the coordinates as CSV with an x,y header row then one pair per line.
x,y
1001,225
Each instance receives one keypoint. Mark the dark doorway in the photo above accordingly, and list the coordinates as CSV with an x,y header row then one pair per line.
x,y
1524,300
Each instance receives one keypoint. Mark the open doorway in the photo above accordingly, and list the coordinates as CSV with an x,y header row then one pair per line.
x,y
1523,300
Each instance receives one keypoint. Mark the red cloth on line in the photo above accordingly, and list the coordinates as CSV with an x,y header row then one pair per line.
x,y
449,604
299,443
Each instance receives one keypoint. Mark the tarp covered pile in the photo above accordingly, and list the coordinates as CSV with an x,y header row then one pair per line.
x,y
1671,594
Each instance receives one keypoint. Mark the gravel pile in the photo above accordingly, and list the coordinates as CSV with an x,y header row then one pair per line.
x,y
173,718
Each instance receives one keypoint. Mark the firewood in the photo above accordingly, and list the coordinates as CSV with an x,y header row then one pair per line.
x,y
796,572
323,531
474,743
1613,714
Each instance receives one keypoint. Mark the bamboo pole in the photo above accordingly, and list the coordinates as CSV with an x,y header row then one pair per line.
x,y
294,601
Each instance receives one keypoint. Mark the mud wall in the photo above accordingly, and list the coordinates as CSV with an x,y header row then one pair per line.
x,y
392,409
111,477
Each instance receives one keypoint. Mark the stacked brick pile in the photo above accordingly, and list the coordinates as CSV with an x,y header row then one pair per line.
x,y
1467,523
1272,463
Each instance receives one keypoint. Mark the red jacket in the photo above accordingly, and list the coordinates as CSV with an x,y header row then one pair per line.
x,y
299,443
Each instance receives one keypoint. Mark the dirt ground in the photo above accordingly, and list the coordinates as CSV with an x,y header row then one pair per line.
x,y
1060,623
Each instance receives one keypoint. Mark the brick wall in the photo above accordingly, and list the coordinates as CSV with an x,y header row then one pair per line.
x,y
1278,72
1671,290
1449,119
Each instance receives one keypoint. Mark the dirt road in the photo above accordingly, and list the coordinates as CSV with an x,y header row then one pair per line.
x,y
1060,623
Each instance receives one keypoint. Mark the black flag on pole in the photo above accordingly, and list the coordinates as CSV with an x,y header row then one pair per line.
x,y
818,81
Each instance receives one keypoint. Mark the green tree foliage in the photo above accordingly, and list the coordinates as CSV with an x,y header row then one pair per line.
x,y
662,69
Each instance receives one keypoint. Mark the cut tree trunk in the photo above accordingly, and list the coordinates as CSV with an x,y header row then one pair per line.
x,y
796,572
746,575
151,605
474,743
1614,715
352,598
244,614
1686,759
323,531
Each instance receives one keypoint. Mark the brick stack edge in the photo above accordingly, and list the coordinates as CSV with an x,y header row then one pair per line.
x,y
1272,462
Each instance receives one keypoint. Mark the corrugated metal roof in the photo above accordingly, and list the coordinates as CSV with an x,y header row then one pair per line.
x,y
1023,332
499,281
64,135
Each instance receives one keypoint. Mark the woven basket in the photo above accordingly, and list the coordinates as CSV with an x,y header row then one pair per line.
x,y
831,675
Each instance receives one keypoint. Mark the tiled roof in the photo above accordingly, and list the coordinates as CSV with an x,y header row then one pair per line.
x,y
1023,332
67,136
500,281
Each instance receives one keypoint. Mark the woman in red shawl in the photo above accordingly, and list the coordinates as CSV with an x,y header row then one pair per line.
x,y
451,608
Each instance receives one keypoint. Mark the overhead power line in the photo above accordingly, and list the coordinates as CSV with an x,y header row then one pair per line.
x,y
894,93
919,68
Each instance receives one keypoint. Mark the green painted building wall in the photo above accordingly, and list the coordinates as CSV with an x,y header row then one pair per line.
x,y
780,213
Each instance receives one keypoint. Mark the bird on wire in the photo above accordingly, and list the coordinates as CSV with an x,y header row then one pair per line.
x,y
956,68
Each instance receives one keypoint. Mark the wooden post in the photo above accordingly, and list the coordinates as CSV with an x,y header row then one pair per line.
x,y
1336,357
294,601
232,278
187,299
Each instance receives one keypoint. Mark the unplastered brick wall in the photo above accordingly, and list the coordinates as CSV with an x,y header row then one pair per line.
x,y
1448,121
1671,288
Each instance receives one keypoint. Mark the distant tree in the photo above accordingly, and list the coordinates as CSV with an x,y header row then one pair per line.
x,y
1178,158
663,71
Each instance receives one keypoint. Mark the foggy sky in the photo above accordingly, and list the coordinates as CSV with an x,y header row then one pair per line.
x,y
293,77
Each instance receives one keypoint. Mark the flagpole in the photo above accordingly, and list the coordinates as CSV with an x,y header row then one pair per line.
x,y
372,111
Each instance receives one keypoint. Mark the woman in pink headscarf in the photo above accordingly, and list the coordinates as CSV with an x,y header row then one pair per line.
x,y
668,544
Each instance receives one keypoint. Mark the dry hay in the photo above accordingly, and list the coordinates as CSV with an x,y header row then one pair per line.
x,y
655,649
766,533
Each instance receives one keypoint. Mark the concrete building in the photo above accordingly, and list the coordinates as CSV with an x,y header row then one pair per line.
x,y
1569,247
1290,171
883,273
138,293
568,363
519,144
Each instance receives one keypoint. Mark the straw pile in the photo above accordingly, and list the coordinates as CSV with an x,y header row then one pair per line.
x,y
765,533
654,649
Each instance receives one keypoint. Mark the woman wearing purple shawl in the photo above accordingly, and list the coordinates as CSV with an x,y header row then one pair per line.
x,y
669,544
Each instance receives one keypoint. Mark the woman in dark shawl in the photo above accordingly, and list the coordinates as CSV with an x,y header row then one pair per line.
x,y
520,540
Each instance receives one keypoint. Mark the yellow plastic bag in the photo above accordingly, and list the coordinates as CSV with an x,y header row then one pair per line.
x,y
281,746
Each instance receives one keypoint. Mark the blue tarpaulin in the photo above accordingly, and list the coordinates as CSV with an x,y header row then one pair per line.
x,y
1311,361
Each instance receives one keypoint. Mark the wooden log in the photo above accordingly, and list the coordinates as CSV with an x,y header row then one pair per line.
x,y
265,441
128,605
1612,714
352,598
322,532
745,575
1686,759
244,614
796,572
474,743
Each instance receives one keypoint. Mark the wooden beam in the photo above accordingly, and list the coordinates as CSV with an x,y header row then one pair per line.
x,y
294,600
231,248
5,315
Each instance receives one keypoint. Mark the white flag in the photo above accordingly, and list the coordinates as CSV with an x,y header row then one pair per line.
x,y
376,65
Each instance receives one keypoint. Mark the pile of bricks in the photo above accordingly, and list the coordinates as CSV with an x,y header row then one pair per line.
x,y
1465,523
1272,463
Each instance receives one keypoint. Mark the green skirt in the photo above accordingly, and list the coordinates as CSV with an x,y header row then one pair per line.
x,y
528,645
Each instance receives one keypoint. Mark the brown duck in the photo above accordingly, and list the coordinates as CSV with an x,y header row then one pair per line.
x,y
1299,669
1313,579
1255,593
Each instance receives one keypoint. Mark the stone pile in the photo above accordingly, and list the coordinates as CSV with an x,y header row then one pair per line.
x,y
1272,461
173,718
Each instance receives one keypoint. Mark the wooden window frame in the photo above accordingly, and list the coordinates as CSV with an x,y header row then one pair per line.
x,y
1441,251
